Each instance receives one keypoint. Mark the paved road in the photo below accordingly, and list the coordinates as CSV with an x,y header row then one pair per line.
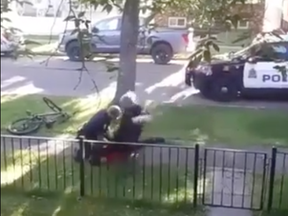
x,y
160,83
60,77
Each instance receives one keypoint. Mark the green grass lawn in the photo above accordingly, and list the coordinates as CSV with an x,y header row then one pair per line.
x,y
231,126
280,196
168,184
206,125
13,108
35,204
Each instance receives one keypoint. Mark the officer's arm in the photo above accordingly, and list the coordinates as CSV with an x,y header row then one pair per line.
x,y
143,118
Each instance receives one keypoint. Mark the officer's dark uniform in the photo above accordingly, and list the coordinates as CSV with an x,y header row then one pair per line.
x,y
129,131
94,129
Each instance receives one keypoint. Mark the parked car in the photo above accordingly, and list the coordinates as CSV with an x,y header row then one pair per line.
x,y
11,41
251,71
106,39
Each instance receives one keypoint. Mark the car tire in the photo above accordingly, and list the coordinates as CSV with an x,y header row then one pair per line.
x,y
206,92
73,51
161,53
224,90
7,54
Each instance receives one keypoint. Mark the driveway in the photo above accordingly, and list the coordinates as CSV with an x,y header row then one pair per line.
x,y
160,83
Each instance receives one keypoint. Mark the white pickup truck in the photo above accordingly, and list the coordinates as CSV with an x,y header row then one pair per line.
x,y
106,39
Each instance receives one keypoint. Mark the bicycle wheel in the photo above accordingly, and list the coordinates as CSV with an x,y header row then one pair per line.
x,y
52,105
24,126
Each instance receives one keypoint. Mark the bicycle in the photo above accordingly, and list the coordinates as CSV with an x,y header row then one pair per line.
x,y
33,122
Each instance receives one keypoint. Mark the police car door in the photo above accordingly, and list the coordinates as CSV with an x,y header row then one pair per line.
x,y
262,74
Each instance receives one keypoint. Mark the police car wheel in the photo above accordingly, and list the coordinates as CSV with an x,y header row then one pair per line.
x,y
7,53
206,92
224,90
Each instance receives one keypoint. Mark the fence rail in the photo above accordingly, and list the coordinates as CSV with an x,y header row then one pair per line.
x,y
157,173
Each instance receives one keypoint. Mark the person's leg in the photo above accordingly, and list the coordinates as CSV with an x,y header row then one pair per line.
x,y
98,151
87,150
153,140
95,155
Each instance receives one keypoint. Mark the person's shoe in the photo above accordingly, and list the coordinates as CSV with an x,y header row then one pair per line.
x,y
77,156
94,161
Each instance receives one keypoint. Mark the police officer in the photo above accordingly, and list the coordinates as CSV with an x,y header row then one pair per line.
x,y
95,129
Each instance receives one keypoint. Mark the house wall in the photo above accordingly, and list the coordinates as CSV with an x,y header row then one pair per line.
x,y
273,14
253,12
31,23
285,15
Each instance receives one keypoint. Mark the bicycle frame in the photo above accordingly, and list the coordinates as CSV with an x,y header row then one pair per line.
x,y
44,116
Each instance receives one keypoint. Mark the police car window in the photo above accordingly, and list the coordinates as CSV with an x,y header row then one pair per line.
x,y
273,51
281,51
247,51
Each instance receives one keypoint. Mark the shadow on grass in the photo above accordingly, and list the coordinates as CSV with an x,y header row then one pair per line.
x,y
35,203
14,107
27,204
50,167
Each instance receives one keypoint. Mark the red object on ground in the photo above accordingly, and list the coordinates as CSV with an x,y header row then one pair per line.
x,y
116,156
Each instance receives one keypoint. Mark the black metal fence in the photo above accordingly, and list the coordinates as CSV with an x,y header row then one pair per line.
x,y
171,174
159,173
278,180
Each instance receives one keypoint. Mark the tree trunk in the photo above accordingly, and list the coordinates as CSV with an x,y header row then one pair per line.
x,y
128,50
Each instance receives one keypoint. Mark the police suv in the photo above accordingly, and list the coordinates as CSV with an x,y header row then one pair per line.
x,y
248,72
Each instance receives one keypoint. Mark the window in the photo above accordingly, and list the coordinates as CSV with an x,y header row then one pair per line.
x,y
177,22
107,25
281,51
272,52
243,24
249,2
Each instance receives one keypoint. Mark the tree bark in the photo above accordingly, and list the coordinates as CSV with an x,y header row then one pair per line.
x,y
128,51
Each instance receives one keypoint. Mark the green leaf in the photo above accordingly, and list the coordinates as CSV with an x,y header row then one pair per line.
x,y
112,69
5,19
216,47
75,31
28,42
24,2
81,14
95,30
69,18
108,8
243,37
207,55
87,22
276,34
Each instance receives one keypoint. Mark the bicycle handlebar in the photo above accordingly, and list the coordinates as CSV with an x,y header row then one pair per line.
x,y
52,105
